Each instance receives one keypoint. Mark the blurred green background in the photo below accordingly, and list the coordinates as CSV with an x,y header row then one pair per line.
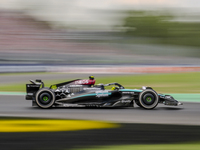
x,y
162,83
161,28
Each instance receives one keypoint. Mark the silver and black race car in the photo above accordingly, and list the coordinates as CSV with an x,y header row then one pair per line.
x,y
84,93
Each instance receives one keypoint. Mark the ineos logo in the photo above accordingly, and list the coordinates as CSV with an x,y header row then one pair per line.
x,y
81,82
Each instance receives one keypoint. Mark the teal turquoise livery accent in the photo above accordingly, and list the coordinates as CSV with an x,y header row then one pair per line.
x,y
130,90
161,95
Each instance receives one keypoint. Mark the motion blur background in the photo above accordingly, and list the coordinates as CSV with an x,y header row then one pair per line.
x,y
115,40
147,32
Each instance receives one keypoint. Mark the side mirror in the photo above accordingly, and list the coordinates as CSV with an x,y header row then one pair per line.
x,y
144,87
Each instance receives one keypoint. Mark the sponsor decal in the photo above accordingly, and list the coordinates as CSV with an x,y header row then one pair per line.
x,y
81,82
29,93
91,88
75,85
72,105
125,101
32,85
90,105
168,97
102,94
128,92
162,96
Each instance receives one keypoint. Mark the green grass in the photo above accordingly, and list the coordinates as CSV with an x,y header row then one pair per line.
x,y
191,146
162,83
166,83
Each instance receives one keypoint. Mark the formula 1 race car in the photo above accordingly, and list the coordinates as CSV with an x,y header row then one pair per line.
x,y
84,93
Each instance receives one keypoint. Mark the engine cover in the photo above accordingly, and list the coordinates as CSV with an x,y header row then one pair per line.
x,y
85,82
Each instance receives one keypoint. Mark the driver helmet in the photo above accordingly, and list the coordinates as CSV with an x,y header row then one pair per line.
x,y
91,77
114,88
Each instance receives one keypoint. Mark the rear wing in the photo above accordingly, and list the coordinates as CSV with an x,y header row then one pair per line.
x,y
31,89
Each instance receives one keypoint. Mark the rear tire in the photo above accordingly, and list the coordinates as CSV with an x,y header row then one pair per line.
x,y
148,99
45,98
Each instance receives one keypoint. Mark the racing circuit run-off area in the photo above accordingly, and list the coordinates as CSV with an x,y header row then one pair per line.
x,y
120,126
33,134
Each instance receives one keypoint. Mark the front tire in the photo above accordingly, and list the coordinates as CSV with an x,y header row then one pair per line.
x,y
45,98
148,99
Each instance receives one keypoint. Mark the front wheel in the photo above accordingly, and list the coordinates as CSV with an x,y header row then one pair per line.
x,y
45,98
148,99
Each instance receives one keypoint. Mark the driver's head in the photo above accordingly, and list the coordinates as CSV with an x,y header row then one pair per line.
x,y
114,88
91,77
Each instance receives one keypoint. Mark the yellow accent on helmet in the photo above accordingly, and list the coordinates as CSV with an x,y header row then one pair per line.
x,y
91,77
113,88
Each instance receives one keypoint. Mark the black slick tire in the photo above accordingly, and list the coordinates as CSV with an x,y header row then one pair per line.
x,y
148,99
45,98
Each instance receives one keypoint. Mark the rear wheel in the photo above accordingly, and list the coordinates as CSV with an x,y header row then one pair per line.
x,y
45,98
148,99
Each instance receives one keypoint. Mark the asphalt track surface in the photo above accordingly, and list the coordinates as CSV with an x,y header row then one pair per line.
x,y
126,134
188,114
138,126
